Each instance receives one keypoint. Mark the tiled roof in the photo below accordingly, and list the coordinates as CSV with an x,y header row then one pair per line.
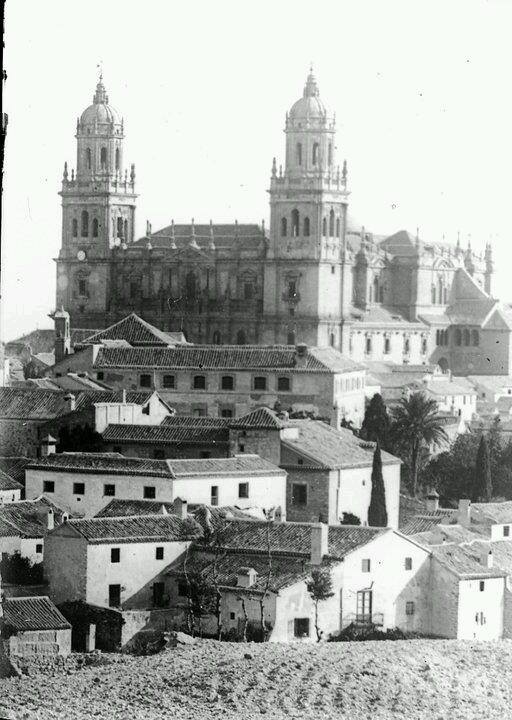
x,y
33,613
233,236
292,538
464,560
238,465
425,522
262,417
379,316
27,518
492,512
14,467
111,463
37,404
135,330
167,433
7,483
445,387
284,571
329,448
446,533
192,421
119,508
226,357
136,528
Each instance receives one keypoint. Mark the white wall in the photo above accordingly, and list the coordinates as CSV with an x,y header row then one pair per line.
x,y
127,487
129,414
27,547
8,496
138,568
356,488
265,491
497,531
473,601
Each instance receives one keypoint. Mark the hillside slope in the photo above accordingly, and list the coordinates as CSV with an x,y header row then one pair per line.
x,y
413,680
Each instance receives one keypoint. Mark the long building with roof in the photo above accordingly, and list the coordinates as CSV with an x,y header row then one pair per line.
x,y
312,276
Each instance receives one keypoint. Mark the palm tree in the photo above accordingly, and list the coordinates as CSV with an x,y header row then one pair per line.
x,y
416,427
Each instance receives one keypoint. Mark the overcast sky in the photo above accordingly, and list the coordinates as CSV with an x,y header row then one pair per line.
x,y
421,91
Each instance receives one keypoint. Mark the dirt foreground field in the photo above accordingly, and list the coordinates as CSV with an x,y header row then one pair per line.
x,y
435,680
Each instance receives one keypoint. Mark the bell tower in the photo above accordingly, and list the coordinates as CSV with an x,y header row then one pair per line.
x,y
308,208
98,213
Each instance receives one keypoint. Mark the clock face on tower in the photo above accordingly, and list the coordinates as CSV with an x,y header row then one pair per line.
x,y
80,255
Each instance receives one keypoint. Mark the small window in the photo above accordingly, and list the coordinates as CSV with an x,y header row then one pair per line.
x,y
284,227
145,380
295,223
39,548
299,494
506,530
243,490
149,492
159,454
301,627
241,448
199,382
333,269
248,291
482,585
115,555
168,382
49,486
85,223
117,449
95,227
214,495
74,227
241,337
227,382
232,616
100,375
78,488
205,454
82,287
182,588
409,608
159,553
103,158
306,227
260,383
88,158
109,490
387,346
226,413
299,153
283,384
315,153
408,563
118,159
216,338
365,565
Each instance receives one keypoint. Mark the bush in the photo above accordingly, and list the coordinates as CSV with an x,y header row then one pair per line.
x,y
355,632
20,570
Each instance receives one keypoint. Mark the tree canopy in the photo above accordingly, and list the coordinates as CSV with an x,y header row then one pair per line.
x,y
376,422
377,513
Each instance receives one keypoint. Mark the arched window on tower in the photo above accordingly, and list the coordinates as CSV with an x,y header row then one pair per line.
x,y
126,229
332,339
467,337
290,338
331,223
119,227
216,338
329,154
458,337
299,153
241,338
85,223
284,227
440,288
88,158
191,285
95,227
74,227
295,223
475,338
445,295
118,159
324,227
315,153
103,158
306,227
433,296
376,289
338,227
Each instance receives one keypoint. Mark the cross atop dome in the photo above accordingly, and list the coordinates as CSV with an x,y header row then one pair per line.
x,y
311,86
100,96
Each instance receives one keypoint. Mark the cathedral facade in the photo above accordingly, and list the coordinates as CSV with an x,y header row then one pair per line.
x,y
310,277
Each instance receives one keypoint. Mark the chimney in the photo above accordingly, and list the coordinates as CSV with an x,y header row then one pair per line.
x,y
486,559
246,577
319,542
464,512
432,501
64,517
162,510
50,519
123,396
301,355
70,400
180,508
48,445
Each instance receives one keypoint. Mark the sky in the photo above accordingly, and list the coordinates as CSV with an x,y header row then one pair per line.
x,y
421,92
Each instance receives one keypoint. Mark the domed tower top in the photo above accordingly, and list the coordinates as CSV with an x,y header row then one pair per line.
x,y
100,114
309,106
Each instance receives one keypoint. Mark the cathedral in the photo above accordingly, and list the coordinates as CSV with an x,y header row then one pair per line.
x,y
310,277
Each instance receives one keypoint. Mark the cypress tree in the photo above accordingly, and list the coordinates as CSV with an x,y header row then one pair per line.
x,y
482,486
375,425
377,514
